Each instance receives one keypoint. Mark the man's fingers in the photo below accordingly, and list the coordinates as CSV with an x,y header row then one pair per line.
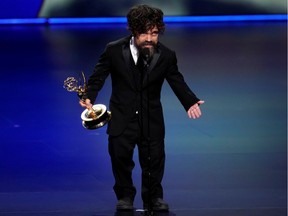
x,y
200,102
86,103
194,112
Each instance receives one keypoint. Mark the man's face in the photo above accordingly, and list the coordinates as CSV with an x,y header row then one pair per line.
x,y
148,39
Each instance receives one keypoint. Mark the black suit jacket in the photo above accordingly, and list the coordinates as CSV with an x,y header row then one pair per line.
x,y
127,97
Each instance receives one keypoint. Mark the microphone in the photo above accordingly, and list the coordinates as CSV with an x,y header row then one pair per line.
x,y
147,55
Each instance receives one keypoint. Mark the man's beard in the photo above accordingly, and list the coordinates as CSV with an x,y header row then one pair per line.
x,y
143,49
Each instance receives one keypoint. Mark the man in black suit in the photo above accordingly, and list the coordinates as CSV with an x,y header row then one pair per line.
x,y
138,65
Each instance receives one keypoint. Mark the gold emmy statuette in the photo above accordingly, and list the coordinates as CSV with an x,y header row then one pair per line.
x,y
96,116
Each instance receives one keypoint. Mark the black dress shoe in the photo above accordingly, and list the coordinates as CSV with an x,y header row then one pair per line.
x,y
157,204
124,204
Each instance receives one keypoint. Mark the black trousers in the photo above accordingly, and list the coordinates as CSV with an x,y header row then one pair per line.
x,y
121,149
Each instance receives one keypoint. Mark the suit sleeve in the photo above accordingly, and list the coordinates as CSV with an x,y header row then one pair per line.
x,y
98,77
178,84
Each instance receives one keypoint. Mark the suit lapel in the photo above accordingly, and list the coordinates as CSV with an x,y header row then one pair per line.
x,y
152,65
127,57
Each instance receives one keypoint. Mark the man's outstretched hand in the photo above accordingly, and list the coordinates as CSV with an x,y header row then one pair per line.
x,y
195,111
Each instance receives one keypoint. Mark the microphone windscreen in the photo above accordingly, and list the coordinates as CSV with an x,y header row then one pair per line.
x,y
146,54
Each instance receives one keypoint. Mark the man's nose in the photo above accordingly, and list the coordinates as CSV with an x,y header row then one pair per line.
x,y
149,37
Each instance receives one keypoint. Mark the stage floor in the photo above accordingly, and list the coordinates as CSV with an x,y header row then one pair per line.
x,y
232,161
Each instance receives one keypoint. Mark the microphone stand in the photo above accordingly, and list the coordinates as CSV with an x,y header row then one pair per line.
x,y
146,61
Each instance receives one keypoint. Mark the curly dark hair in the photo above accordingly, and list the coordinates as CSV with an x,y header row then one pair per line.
x,y
142,18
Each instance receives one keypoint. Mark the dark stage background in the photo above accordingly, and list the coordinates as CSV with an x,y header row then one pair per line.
x,y
232,161
111,8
